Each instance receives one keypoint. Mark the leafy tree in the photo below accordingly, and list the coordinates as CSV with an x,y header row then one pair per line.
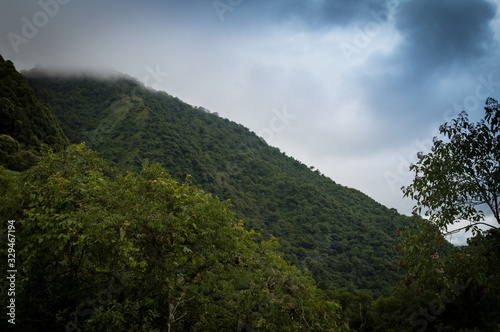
x,y
455,288
448,289
100,251
460,174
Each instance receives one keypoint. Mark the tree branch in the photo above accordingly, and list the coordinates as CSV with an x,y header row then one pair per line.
x,y
461,228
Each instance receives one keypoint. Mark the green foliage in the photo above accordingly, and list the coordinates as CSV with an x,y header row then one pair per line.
x,y
456,288
448,290
391,313
105,251
25,125
462,173
12,157
341,236
101,251
421,246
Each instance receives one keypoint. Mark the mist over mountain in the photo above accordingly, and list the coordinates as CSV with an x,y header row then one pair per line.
x,y
343,237
90,248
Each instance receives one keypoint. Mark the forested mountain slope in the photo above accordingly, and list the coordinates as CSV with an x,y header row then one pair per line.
x,y
342,236
25,124
93,249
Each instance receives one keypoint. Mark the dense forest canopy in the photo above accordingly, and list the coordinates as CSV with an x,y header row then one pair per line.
x,y
343,237
26,126
101,251
171,218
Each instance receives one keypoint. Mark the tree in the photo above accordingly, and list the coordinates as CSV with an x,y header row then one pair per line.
x,y
451,288
461,175
100,251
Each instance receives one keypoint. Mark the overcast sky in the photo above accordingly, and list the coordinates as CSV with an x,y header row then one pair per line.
x,y
353,88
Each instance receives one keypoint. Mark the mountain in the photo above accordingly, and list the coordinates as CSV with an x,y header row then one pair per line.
x,y
342,236
100,250
26,126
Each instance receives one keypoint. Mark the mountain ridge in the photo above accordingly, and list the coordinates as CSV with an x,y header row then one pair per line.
x,y
342,236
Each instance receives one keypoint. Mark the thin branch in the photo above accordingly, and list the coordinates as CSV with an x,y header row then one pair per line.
x,y
459,229
495,211
488,199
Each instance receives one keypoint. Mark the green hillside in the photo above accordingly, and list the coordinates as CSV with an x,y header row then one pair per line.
x,y
92,249
100,251
343,237
26,126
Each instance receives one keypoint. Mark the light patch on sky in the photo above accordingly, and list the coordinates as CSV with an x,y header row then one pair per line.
x,y
460,238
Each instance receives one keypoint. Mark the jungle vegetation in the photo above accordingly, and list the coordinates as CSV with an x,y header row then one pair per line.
x,y
153,215
341,236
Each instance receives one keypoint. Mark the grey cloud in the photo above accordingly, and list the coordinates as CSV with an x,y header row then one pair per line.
x,y
284,53
441,41
319,14
445,33
346,11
